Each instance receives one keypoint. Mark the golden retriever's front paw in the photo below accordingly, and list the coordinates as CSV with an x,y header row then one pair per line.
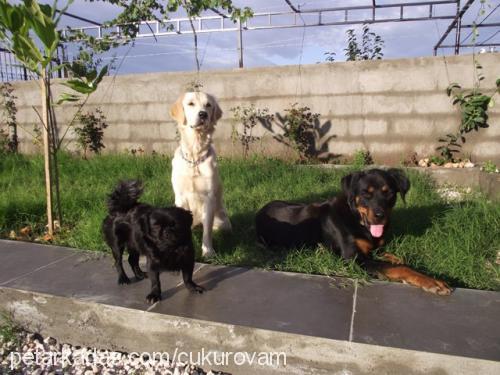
x,y
207,252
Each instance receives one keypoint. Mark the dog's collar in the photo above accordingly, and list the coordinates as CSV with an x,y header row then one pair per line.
x,y
195,163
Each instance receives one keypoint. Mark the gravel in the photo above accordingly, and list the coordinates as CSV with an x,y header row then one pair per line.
x,y
23,344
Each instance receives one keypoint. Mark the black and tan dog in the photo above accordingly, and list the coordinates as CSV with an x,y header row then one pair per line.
x,y
163,235
352,224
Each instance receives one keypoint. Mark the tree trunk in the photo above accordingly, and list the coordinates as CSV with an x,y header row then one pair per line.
x,y
53,133
46,151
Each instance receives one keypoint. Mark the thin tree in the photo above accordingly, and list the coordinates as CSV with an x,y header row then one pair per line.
x,y
29,31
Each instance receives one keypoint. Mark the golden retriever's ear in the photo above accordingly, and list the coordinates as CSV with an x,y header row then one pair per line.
x,y
177,111
217,111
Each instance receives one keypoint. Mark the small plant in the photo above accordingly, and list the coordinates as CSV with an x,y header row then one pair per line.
x,y
330,56
9,109
4,141
362,158
450,146
473,106
248,117
298,127
370,49
473,103
489,167
438,160
91,132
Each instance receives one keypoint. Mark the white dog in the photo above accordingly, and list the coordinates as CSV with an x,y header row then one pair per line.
x,y
195,176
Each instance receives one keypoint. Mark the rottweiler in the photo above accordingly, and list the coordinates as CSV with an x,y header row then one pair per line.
x,y
352,224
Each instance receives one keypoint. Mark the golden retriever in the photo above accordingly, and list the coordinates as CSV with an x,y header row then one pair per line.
x,y
195,176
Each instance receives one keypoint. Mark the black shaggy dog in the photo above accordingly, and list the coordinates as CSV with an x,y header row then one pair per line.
x,y
352,224
163,235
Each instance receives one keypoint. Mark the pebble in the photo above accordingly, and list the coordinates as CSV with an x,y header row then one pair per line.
x,y
34,342
461,164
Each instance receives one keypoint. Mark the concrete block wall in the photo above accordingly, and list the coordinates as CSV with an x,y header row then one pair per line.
x,y
390,107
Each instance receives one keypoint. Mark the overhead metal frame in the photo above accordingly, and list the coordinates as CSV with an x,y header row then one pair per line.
x,y
280,19
456,24
298,16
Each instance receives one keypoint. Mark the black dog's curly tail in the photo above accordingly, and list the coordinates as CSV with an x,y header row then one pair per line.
x,y
125,196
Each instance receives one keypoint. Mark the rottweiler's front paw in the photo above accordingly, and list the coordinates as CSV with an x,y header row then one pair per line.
x,y
436,287
393,259
153,297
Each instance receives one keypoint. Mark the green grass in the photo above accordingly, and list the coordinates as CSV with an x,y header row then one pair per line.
x,y
457,242
9,329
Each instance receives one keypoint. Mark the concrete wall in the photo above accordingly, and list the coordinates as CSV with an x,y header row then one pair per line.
x,y
390,107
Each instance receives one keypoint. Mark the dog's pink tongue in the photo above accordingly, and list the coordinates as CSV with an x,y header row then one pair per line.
x,y
376,230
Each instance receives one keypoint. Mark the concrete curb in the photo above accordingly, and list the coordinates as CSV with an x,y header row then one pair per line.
x,y
103,326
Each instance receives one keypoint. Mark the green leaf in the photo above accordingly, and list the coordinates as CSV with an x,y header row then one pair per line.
x,y
79,86
11,17
101,75
25,50
66,97
91,76
43,25
451,87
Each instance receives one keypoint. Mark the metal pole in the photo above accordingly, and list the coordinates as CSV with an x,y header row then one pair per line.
x,y
240,44
459,27
64,59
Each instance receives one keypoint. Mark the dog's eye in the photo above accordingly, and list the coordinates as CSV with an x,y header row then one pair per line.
x,y
209,105
191,104
366,195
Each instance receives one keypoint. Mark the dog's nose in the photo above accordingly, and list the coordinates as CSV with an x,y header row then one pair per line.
x,y
203,115
379,214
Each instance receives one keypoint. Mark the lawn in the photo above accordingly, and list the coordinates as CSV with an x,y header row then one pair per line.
x,y
457,242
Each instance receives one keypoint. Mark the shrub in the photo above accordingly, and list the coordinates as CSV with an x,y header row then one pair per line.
x,y
489,167
298,127
473,105
362,158
8,136
249,117
91,131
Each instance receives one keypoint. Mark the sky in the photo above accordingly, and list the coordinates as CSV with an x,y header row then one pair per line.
x,y
291,46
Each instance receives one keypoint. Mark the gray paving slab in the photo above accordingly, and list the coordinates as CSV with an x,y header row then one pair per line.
x,y
293,303
91,276
386,314
464,324
21,258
